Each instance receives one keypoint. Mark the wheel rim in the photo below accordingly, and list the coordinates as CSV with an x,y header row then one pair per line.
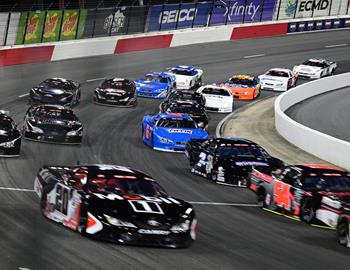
x,y
308,214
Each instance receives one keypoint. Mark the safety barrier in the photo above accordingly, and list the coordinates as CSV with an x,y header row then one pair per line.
x,y
319,144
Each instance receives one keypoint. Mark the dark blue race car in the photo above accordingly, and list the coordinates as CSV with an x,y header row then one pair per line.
x,y
155,85
170,131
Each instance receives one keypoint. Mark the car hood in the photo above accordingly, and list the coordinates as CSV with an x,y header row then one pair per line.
x,y
305,68
112,91
48,90
181,134
149,85
238,87
139,208
272,79
214,99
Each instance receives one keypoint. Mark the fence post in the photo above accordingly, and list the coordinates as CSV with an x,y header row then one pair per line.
x,y
44,22
228,11
128,21
161,19
312,11
25,28
177,16
210,13
347,10
295,10
262,10
330,8
76,32
245,6
113,17
7,28
195,14
59,33
94,25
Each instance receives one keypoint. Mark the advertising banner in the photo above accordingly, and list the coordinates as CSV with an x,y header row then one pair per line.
x,y
239,11
73,21
318,25
31,27
104,22
311,8
165,17
52,25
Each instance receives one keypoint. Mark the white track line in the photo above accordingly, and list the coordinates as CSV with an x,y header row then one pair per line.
x,y
254,55
24,95
96,79
16,189
336,45
225,204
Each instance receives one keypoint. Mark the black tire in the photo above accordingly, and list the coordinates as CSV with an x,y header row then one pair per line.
x,y
213,176
332,72
343,233
77,101
260,197
307,211
83,219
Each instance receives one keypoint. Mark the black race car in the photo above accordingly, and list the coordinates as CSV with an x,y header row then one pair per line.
x,y
185,95
228,161
190,107
116,92
56,91
52,123
116,204
10,137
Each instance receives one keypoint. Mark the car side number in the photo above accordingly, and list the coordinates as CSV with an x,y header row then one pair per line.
x,y
62,194
281,193
148,131
146,207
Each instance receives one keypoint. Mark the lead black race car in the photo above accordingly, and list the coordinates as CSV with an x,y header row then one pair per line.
x,y
52,123
116,92
116,204
56,91
10,136
228,161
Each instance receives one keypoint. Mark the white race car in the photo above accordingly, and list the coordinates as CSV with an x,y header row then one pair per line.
x,y
217,98
186,77
278,79
315,68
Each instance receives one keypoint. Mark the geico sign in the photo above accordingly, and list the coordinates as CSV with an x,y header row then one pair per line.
x,y
181,15
313,5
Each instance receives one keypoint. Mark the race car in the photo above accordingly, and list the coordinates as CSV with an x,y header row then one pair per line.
x,y
297,190
10,136
315,68
228,161
116,204
190,107
244,87
278,79
52,123
186,96
187,77
170,131
217,98
155,85
56,91
116,92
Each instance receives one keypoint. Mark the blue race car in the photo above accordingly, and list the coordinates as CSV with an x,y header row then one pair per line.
x,y
155,85
170,131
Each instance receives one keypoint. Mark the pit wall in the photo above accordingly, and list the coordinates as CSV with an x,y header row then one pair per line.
x,y
326,147
24,54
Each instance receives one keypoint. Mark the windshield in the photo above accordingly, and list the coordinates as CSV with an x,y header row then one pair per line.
x,y
181,72
233,150
176,123
327,183
125,187
277,73
315,64
59,84
216,92
5,124
155,78
247,82
55,114
123,85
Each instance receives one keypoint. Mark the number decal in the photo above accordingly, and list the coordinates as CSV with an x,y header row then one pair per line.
x,y
148,132
62,194
281,193
146,207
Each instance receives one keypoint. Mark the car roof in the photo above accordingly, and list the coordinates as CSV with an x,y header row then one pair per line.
x,y
319,168
161,74
188,68
317,60
214,86
173,115
280,69
243,76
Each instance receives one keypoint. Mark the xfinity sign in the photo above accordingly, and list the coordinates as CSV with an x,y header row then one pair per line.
x,y
312,5
181,15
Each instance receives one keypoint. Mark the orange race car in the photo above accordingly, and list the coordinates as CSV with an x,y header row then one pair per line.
x,y
243,87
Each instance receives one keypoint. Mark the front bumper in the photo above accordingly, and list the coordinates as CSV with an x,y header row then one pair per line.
x,y
219,110
114,102
51,138
10,152
35,99
304,75
274,88
178,147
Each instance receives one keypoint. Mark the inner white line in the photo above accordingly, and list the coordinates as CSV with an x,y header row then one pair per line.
x,y
225,204
254,55
96,79
16,189
24,95
336,45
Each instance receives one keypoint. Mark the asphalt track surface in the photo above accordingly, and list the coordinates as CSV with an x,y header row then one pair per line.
x,y
229,237
327,113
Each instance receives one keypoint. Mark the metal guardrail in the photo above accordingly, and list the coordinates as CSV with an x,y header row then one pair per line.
x,y
66,24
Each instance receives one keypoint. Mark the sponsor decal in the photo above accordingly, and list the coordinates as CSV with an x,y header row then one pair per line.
x,y
290,8
153,223
179,15
184,131
158,232
114,22
51,27
251,163
312,5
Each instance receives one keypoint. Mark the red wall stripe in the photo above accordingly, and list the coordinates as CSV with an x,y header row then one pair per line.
x,y
264,30
143,43
18,56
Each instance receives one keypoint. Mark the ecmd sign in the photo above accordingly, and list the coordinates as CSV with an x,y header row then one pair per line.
x,y
164,17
